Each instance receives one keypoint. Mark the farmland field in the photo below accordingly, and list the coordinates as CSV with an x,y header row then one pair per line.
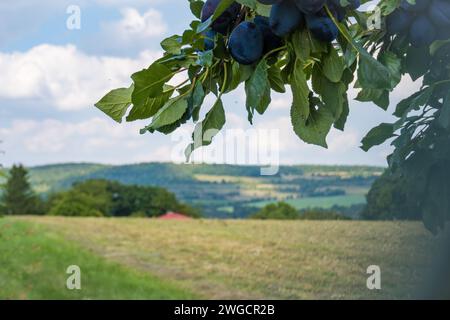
x,y
319,202
215,259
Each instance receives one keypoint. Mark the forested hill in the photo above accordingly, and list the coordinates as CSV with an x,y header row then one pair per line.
x,y
224,188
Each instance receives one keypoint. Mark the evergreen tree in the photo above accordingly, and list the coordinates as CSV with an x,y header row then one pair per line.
x,y
17,197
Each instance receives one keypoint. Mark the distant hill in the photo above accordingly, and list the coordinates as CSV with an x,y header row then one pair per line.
x,y
224,190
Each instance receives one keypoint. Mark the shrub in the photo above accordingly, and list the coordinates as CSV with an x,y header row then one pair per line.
x,y
277,211
73,203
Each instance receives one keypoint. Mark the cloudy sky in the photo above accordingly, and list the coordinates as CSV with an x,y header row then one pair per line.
x,y
50,78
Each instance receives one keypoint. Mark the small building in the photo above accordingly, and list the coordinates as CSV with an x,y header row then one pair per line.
x,y
174,216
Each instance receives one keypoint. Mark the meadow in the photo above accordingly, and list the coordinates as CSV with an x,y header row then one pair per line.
x,y
214,259
319,202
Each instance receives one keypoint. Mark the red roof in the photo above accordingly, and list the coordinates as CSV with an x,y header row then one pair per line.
x,y
174,216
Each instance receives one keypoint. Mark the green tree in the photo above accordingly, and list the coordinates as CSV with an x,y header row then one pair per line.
x,y
18,198
74,203
277,211
390,198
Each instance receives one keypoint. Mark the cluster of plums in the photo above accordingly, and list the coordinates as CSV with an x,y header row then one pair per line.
x,y
250,40
422,23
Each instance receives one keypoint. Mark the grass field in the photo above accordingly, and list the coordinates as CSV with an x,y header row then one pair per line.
x,y
216,259
319,202
33,263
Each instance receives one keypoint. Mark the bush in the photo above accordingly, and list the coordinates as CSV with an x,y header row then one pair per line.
x,y
73,203
277,211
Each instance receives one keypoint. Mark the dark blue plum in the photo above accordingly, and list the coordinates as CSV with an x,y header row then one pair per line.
x,y
225,21
322,28
246,43
269,2
398,22
422,32
285,17
310,6
209,39
420,6
271,40
439,13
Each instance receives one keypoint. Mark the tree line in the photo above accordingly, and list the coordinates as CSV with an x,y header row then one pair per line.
x,y
386,200
96,198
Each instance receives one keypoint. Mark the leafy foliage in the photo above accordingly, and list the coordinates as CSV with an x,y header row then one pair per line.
x,y
388,199
319,61
108,198
277,211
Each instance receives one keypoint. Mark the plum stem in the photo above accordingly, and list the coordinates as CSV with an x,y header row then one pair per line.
x,y
273,51
225,79
341,30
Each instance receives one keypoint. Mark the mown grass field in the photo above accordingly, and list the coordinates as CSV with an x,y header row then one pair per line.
x,y
215,259
34,260
319,202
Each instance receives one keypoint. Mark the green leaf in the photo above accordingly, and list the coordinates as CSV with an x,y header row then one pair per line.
x,y
151,106
315,129
172,111
261,9
265,101
205,131
116,103
340,123
235,76
417,62
377,96
205,58
300,94
196,100
394,65
333,65
196,8
377,136
332,94
302,44
372,74
275,79
388,6
172,44
413,102
149,83
256,90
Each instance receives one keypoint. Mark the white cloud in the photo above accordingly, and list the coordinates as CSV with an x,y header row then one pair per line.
x,y
136,25
65,77
95,139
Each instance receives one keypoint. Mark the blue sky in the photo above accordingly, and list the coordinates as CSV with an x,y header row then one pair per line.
x,y
51,77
